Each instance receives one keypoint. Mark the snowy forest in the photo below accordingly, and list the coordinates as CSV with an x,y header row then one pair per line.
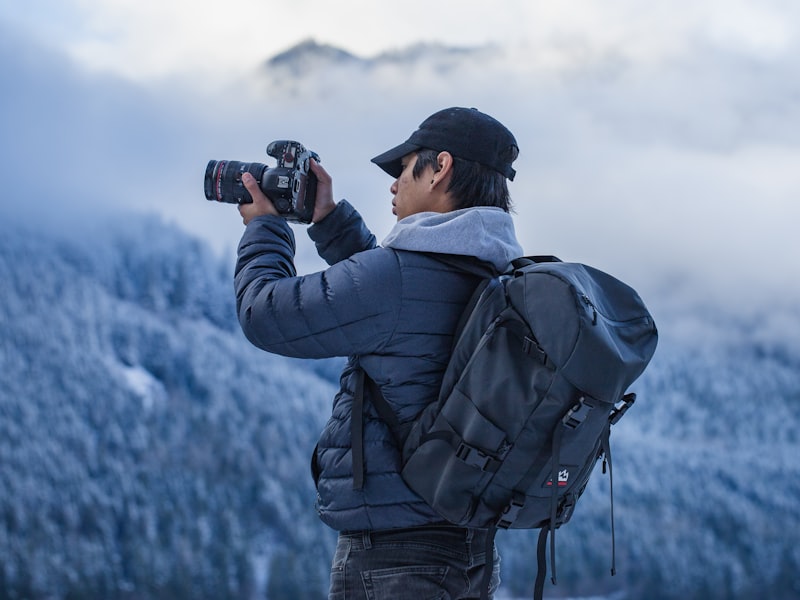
x,y
147,451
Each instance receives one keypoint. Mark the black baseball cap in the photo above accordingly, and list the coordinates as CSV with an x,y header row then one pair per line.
x,y
463,132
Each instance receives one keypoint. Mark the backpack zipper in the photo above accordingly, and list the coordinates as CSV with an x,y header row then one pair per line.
x,y
589,303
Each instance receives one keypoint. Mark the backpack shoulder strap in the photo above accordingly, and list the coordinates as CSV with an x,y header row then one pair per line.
x,y
524,261
399,430
470,264
357,432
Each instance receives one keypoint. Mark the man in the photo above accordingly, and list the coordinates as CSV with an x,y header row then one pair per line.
x,y
392,310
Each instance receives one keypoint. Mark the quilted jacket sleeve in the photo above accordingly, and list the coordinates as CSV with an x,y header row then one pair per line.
x,y
350,308
341,234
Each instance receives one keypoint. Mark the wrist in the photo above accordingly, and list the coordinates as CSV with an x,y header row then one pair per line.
x,y
320,212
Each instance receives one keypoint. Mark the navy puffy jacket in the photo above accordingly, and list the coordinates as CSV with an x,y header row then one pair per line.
x,y
393,312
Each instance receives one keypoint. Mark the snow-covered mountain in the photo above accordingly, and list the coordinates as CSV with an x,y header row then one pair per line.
x,y
313,70
148,451
310,55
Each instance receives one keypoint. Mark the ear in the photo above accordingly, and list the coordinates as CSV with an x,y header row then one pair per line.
x,y
444,168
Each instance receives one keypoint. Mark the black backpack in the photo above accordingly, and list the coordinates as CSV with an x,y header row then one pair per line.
x,y
542,361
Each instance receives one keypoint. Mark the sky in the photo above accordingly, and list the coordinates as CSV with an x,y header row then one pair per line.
x,y
658,141
150,40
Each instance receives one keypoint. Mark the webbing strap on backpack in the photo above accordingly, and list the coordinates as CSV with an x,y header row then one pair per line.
x,y
357,432
572,419
385,412
605,449
541,564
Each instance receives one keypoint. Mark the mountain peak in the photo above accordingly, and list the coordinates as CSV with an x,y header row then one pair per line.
x,y
310,53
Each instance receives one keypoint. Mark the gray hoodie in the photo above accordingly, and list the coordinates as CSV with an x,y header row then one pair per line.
x,y
488,232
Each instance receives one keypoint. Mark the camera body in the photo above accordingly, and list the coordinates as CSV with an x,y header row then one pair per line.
x,y
291,186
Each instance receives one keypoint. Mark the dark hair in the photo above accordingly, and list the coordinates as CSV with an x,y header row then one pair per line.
x,y
471,185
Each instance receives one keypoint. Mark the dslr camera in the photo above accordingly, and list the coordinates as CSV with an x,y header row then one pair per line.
x,y
291,185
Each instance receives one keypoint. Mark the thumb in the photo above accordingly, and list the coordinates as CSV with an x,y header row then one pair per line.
x,y
250,183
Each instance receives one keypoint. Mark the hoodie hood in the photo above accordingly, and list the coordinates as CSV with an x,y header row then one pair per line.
x,y
486,233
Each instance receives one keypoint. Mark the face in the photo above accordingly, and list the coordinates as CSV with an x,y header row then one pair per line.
x,y
411,195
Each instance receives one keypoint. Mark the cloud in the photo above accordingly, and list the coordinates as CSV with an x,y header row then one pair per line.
x,y
668,159
677,164
147,40
76,143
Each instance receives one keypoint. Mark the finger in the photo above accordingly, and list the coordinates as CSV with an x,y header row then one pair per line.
x,y
251,185
324,204
320,172
261,204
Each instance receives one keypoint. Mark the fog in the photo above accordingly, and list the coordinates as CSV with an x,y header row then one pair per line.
x,y
676,170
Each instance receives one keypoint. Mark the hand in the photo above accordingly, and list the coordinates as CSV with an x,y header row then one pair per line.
x,y
261,205
324,201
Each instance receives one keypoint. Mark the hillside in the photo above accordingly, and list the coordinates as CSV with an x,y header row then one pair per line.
x,y
147,451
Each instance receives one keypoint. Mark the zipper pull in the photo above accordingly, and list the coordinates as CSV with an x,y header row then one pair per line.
x,y
588,302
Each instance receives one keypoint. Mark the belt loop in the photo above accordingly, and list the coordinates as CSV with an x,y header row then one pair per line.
x,y
366,539
469,535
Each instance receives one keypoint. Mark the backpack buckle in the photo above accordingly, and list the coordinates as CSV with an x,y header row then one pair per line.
x,y
476,458
619,412
531,347
578,413
566,508
511,511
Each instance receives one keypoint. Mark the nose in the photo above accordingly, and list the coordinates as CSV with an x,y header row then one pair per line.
x,y
393,189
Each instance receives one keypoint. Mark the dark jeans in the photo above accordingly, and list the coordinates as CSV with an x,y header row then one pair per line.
x,y
421,563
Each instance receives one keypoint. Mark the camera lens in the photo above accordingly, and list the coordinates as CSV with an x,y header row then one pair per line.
x,y
223,180
209,182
